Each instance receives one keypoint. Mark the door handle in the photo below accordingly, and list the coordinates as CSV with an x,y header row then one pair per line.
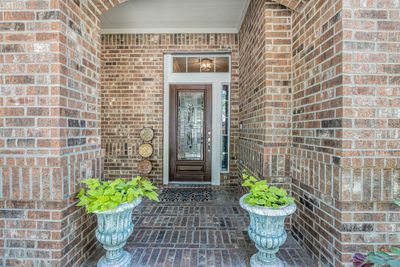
x,y
209,144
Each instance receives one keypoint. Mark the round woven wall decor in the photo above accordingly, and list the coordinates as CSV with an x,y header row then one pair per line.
x,y
145,166
145,150
147,134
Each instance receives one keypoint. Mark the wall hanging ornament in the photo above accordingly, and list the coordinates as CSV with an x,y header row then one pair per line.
x,y
145,150
147,134
145,166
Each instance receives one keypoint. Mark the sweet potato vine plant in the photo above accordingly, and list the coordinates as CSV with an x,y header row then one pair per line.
x,y
379,258
99,196
261,194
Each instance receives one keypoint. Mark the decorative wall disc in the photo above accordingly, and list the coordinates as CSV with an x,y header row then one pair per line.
x,y
147,134
145,167
145,150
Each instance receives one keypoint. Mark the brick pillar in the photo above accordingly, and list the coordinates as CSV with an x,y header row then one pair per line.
x,y
264,90
371,127
345,152
30,163
317,121
49,128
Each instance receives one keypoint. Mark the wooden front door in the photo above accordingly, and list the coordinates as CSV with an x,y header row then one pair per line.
x,y
190,133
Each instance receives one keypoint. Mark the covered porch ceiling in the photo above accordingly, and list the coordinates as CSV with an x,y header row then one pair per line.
x,y
175,16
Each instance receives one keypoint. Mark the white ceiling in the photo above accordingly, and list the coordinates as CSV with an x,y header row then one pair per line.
x,y
175,16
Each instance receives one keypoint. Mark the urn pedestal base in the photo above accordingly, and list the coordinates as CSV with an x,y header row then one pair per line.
x,y
124,260
257,261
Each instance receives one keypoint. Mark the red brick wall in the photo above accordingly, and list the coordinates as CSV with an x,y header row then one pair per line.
x,y
49,135
371,127
345,100
30,163
29,50
264,91
317,122
251,81
345,164
132,88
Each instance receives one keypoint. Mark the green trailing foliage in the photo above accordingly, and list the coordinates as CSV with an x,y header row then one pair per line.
x,y
107,195
261,194
381,258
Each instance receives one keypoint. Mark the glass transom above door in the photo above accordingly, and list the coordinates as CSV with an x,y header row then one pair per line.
x,y
200,64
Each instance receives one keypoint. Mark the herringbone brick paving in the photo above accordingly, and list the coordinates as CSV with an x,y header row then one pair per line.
x,y
208,233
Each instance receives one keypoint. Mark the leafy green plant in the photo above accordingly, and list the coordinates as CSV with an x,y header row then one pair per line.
x,y
381,258
261,194
107,195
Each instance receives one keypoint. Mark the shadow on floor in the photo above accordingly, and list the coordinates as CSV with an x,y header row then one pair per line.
x,y
199,226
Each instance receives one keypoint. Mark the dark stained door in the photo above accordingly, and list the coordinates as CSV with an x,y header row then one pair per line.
x,y
190,133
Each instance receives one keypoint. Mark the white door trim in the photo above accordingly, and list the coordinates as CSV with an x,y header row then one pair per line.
x,y
217,80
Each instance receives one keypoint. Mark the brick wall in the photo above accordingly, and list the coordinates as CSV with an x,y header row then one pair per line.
x,y
264,91
371,127
317,118
344,110
49,129
132,95
345,148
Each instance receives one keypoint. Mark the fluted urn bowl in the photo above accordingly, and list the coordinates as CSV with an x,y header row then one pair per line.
x,y
113,230
267,230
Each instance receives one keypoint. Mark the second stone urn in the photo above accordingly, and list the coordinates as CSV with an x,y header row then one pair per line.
x,y
113,230
267,230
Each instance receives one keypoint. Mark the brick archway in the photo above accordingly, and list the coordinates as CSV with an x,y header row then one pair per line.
x,y
105,5
292,4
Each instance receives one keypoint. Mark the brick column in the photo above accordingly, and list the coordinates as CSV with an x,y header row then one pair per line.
x,y
371,127
264,90
49,128
317,121
345,153
30,162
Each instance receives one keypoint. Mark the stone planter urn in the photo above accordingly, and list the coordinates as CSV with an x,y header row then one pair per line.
x,y
267,230
113,230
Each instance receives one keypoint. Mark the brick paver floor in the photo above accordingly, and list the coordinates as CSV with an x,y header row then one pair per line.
x,y
197,232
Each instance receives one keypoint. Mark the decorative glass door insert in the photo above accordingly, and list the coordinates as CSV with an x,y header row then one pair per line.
x,y
190,133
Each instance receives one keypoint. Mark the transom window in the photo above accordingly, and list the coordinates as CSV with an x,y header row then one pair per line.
x,y
196,64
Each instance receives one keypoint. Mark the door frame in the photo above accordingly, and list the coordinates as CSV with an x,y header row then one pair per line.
x,y
216,80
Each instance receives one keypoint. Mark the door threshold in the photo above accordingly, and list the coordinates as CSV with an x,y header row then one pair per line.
x,y
190,183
